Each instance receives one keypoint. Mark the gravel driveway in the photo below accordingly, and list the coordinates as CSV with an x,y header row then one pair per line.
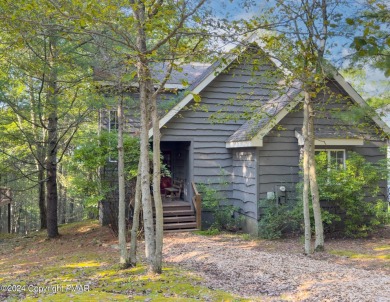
x,y
238,266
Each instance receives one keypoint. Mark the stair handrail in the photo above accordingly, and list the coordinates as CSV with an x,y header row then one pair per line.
x,y
197,202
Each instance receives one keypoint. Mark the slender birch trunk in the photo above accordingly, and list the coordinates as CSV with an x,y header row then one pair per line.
x,y
145,176
145,86
123,260
315,196
134,229
306,180
157,265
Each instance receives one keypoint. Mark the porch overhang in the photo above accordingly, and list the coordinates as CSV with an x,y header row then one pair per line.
x,y
245,144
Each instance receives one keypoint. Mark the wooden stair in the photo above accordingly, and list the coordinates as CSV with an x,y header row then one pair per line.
x,y
178,216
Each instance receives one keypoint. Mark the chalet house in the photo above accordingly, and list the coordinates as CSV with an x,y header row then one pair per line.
x,y
244,136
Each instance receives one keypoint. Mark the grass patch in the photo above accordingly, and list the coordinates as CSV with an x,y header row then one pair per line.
x,y
354,255
7,236
382,248
124,285
72,268
209,232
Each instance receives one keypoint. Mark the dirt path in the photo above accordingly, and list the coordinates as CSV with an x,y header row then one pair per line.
x,y
241,267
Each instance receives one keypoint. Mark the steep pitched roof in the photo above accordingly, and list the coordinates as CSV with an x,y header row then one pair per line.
x,y
189,72
274,110
268,115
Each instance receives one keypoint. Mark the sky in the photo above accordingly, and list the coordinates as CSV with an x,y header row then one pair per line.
x,y
376,82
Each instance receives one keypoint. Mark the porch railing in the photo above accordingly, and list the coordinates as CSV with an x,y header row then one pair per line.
x,y
197,201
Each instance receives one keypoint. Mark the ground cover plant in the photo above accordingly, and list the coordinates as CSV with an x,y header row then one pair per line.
x,y
81,265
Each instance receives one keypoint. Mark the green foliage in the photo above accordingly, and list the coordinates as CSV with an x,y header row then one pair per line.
x,y
224,215
372,42
274,221
278,219
212,231
83,180
348,190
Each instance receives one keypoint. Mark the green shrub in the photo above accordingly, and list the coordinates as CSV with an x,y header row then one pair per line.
x,y
278,219
224,215
348,188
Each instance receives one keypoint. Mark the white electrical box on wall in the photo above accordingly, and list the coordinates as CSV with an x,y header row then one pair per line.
x,y
270,195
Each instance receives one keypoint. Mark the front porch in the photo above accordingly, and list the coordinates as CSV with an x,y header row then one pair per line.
x,y
179,194
181,215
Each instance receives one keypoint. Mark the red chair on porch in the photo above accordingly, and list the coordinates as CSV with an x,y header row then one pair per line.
x,y
166,182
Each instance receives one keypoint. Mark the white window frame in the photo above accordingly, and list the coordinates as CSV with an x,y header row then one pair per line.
x,y
328,155
110,112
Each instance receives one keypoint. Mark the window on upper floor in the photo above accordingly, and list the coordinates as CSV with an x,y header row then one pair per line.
x,y
113,120
113,128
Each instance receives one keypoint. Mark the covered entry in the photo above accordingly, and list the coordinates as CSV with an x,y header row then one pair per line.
x,y
176,159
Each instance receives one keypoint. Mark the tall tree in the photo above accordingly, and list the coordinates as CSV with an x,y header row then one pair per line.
x,y
301,45
51,67
144,33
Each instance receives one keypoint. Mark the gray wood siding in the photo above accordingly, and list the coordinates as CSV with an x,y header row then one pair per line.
x,y
278,159
212,162
245,181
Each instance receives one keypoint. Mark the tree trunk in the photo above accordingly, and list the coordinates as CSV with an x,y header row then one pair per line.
x,y
51,157
41,197
9,219
39,137
306,180
157,265
51,184
121,184
315,196
136,214
145,170
145,86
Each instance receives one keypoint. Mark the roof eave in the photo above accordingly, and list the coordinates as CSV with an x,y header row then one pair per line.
x,y
359,100
245,144
331,141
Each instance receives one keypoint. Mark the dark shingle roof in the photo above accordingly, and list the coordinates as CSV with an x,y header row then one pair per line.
x,y
265,114
189,73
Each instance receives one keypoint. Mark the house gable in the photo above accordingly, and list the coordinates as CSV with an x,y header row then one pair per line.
x,y
233,94
279,158
276,109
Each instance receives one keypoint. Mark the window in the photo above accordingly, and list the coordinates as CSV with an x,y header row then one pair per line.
x,y
336,157
113,121
112,127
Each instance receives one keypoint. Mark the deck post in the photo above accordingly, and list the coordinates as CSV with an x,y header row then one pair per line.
x,y
198,202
